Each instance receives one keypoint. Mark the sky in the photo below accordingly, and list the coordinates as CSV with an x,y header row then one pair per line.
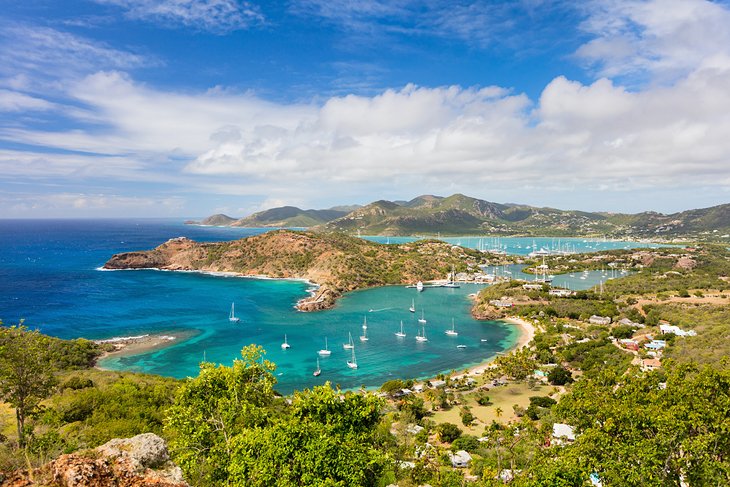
x,y
186,108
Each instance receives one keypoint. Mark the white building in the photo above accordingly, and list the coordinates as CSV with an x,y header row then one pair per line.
x,y
460,459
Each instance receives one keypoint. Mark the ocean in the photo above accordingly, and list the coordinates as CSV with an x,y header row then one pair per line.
x,y
50,276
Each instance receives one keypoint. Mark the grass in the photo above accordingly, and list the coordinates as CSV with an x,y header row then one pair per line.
x,y
503,397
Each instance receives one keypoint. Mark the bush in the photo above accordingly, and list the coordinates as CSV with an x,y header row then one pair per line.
x,y
560,376
75,383
448,432
466,442
467,417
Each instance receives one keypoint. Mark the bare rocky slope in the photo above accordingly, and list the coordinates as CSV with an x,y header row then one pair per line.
x,y
337,263
133,462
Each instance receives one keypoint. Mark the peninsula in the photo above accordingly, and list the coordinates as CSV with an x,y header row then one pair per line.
x,y
337,263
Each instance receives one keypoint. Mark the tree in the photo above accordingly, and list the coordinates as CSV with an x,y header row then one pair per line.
x,y
213,408
448,432
26,372
560,376
326,439
498,411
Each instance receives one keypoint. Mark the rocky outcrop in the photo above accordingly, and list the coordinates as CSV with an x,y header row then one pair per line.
x,y
133,462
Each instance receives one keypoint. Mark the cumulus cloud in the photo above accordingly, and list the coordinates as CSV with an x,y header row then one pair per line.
x,y
217,16
658,39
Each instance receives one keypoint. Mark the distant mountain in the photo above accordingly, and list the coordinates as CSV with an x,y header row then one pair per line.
x,y
463,215
218,220
289,216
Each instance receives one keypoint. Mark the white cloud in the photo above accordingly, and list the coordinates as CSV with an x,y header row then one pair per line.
x,y
12,101
48,53
217,16
659,39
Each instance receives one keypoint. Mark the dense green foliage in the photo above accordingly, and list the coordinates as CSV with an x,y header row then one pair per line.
x,y
228,427
635,431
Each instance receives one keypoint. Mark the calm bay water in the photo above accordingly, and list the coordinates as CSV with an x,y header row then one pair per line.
x,y
49,276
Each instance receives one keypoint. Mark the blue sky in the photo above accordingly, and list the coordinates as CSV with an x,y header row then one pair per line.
x,y
188,108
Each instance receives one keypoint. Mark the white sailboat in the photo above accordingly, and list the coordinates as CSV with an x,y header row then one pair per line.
x,y
364,336
422,336
350,344
412,309
325,352
422,320
232,316
352,363
400,333
452,332
318,371
285,345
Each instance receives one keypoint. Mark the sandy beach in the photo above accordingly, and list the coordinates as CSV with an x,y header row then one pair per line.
x,y
527,333
133,345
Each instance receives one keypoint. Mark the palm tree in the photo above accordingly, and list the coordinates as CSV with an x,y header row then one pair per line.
x,y
498,411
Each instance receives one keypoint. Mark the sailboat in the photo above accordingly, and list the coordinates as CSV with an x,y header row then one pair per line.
x,y
422,320
285,345
232,317
350,344
352,363
422,336
400,333
325,352
412,309
318,371
452,332
364,336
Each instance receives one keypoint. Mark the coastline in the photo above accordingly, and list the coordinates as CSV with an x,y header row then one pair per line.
x,y
526,334
139,344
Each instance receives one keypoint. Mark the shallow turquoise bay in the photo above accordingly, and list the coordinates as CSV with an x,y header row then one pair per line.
x,y
49,276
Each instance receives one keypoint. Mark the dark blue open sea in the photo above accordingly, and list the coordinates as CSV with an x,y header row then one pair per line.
x,y
49,276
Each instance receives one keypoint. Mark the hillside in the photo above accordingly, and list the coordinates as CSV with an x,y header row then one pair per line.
x,y
464,215
338,263
288,216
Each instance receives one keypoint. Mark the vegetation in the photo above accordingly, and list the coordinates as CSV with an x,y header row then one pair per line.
x,y
463,215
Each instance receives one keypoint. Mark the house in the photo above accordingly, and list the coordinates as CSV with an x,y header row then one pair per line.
x,y
628,322
656,345
460,459
649,364
600,320
532,287
563,433
561,292
501,303
438,383
629,344
665,328
414,429
418,388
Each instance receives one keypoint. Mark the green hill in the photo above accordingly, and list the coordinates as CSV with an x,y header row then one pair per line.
x,y
463,215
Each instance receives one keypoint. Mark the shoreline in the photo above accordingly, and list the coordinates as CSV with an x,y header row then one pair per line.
x,y
139,344
526,333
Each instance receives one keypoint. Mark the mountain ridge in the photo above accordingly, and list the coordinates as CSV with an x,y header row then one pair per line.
x,y
459,214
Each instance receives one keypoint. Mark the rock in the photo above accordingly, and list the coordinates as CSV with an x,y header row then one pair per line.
x,y
133,462
143,451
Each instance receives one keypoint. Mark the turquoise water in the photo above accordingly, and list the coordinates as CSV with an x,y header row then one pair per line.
x,y
49,276
525,245
267,314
